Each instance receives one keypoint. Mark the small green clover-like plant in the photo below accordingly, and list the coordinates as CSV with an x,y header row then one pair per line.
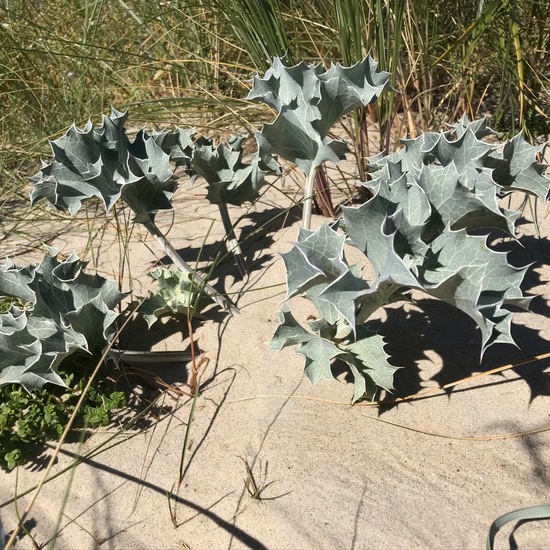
x,y
30,418
309,100
425,229
58,310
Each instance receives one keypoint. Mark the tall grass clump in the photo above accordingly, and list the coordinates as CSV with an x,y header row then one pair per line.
x,y
190,62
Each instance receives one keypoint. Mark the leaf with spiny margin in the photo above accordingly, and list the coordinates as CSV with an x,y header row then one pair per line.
x,y
309,100
369,364
457,176
513,167
478,127
457,267
415,232
289,332
316,267
175,295
229,179
486,284
365,354
30,352
516,168
464,152
102,162
71,311
14,282
318,351
179,144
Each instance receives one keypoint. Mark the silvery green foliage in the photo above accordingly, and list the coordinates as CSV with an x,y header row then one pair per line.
x,y
418,233
175,294
68,310
309,100
229,179
100,161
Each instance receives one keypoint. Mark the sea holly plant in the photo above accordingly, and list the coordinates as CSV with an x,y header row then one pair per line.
x,y
61,310
100,161
230,180
427,228
309,100
175,294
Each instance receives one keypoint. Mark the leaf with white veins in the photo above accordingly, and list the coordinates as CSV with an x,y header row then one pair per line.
x,y
418,232
309,100
70,311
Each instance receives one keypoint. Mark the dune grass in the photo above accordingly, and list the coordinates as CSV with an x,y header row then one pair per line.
x,y
189,62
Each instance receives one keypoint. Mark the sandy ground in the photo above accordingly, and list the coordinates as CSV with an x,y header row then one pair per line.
x,y
429,473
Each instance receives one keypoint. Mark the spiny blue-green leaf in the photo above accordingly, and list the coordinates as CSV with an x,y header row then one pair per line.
x,y
478,127
516,168
347,88
486,285
289,332
294,140
175,294
316,268
14,282
309,100
479,165
179,144
229,179
318,354
94,320
23,360
455,267
364,354
318,351
418,233
101,162
455,182
71,311
369,364
373,231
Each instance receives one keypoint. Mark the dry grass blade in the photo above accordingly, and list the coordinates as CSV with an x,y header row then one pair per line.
x,y
420,395
462,438
256,486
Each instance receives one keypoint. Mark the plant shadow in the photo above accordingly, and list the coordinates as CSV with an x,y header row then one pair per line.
x,y
446,340
255,239
448,344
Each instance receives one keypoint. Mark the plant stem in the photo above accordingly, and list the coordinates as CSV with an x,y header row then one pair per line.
x,y
232,242
172,253
308,196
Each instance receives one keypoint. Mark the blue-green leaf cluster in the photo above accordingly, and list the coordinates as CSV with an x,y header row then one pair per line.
x,y
100,161
309,100
229,179
64,310
175,294
425,228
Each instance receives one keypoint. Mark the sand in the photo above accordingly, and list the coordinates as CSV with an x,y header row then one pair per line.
x,y
430,473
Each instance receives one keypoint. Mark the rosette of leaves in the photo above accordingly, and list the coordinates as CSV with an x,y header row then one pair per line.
x,y
66,311
230,180
175,294
100,161
309,100
425,229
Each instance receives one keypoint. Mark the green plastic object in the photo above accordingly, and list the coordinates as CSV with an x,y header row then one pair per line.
x,y
531,513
